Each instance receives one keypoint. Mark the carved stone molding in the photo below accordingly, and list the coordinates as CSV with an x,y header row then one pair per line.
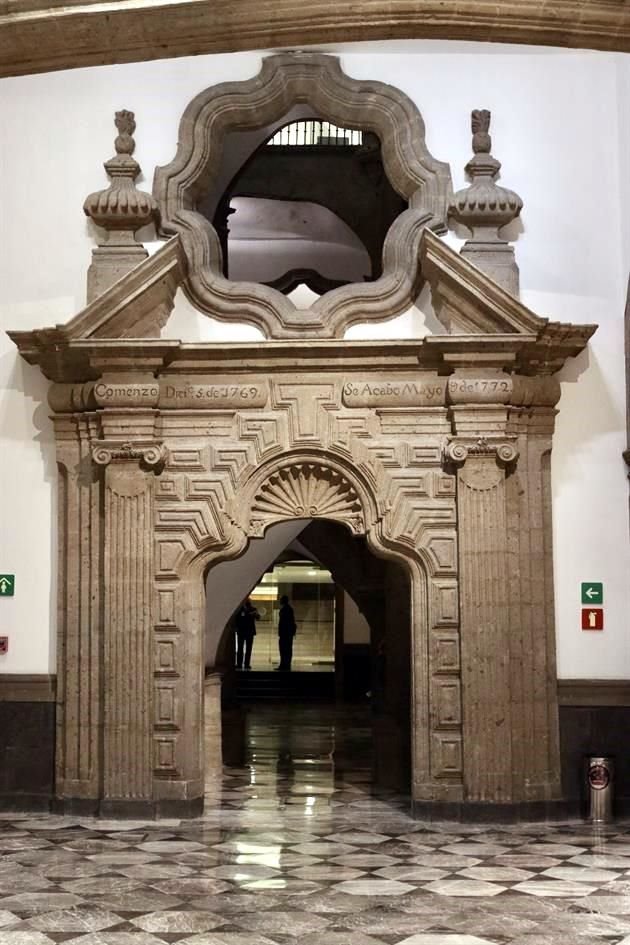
x,y
594,692
27,687
284,81
39,36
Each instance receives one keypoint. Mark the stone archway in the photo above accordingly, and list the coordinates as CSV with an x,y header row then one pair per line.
x,y
314,483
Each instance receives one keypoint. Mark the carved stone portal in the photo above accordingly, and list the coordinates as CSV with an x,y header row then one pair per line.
x,y
171,457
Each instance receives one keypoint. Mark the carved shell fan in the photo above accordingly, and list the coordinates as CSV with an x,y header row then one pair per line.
x,y
305,491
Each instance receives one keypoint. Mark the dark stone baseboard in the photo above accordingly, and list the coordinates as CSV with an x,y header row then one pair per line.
x,y
594,730
27,754
25,803
482,813
129,810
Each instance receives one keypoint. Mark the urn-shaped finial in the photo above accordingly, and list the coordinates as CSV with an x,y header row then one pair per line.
x,y
122,208
484,203
485,208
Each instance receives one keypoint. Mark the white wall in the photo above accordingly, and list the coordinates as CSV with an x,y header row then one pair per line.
x,y
561,129
229,582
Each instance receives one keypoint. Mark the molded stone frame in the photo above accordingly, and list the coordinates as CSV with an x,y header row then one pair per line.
x,y
172,456
283,82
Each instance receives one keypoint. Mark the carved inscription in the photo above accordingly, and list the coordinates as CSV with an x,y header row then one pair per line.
x,y
181,392
418,391
122,395
467,390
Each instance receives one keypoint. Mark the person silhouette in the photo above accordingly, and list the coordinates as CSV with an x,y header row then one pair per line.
x,y
245,624
286,632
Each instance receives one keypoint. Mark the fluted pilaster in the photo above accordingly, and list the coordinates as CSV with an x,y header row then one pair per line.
x,y
127,654
79,706
533,685
485,565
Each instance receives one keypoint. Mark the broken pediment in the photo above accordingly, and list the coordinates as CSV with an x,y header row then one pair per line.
x,y
137,306
472,306
485,325
466,300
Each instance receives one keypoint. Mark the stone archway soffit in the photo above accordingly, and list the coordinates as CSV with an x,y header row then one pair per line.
x,y
481,320
284,81
41,36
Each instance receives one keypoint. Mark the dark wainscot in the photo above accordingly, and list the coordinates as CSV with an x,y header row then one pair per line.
x,y
27,741
594,720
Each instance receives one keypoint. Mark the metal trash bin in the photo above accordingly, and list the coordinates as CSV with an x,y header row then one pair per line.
x,y
600,778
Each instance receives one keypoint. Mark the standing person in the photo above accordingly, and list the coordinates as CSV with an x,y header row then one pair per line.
x,y
245,632
286,632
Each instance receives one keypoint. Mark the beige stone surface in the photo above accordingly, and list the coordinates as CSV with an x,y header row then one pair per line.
x,y
37,36
172,456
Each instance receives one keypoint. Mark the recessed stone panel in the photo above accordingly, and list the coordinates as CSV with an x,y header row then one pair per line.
x,y
447,702
444,652
165,654
446,755
165,705
166,607
445,603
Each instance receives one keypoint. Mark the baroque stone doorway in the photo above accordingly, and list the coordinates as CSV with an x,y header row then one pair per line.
x,y
441,464
172,456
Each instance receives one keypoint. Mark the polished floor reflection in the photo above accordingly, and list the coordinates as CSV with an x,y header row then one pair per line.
x,y
298,846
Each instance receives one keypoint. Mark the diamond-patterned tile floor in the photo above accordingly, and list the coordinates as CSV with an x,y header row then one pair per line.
x,y
297,846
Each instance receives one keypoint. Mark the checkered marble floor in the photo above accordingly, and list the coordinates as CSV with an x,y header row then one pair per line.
x,y
297,846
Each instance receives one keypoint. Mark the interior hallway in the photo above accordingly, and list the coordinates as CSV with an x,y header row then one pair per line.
x,y
296,846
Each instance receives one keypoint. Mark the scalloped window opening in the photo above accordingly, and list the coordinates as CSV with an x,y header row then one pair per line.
x,y
303,207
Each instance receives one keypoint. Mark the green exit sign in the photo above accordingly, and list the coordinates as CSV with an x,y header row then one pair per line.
x,y
7,585
592,592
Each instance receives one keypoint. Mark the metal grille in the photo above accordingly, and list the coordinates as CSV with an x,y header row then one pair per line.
x,y
311,132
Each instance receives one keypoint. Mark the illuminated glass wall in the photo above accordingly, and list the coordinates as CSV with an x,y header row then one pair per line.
x,y
311,593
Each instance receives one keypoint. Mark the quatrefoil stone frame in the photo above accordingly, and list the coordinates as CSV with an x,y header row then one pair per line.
x,y
283,82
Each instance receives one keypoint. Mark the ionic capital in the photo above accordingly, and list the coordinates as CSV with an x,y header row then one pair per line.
x,y
148,455
458,450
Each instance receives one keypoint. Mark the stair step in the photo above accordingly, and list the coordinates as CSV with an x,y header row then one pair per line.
x,y
254,686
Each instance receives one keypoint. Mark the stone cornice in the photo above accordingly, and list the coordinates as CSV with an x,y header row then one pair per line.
x,y
72,362
39,36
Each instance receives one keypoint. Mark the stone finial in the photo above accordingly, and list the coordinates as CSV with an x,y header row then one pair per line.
x,y
120,210
485,208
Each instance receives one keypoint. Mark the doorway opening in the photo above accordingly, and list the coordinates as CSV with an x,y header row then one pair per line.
x,y
346,703
306,208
